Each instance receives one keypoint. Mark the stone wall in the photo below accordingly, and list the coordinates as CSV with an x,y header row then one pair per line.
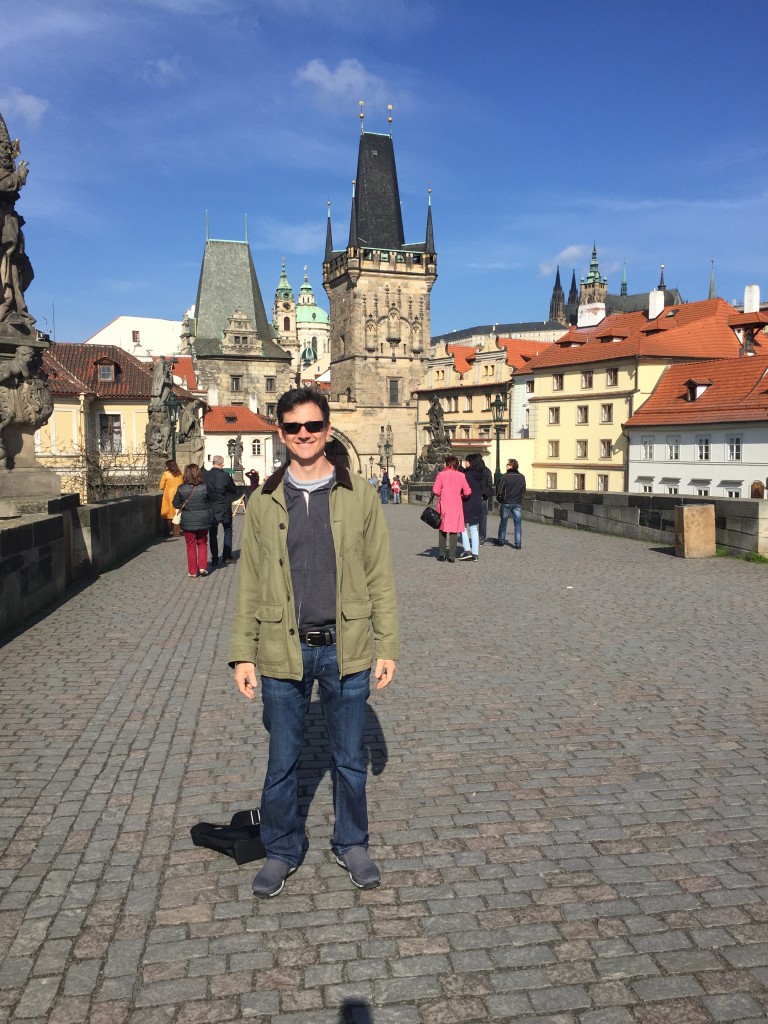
x,y
42,553
741,525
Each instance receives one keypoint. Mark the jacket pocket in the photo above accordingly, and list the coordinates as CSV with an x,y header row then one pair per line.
x,y
357,633
269,612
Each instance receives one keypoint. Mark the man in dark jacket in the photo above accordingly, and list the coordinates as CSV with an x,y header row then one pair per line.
x,y
487,491
221,492
510,497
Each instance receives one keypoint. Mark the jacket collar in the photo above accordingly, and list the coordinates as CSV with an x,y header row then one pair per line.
x,y
271,484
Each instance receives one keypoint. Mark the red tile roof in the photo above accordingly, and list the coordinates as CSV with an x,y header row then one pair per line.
x,y
521,350
688,331
184,367
73,369
463,357
233,419
737,392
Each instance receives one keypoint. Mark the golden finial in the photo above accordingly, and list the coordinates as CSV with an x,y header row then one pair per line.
x,y
362,115
389,119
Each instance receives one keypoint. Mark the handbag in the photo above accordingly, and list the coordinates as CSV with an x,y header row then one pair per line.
x,y
176,520
240,840
431,516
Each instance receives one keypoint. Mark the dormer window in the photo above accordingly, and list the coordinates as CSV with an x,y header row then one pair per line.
x,y
106,372
696,388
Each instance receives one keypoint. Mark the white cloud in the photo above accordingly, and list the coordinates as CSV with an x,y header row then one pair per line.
x,y
350,82
163,71
570,256
25,107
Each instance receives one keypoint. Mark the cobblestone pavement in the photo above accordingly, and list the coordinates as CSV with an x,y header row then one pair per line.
x,y
568,801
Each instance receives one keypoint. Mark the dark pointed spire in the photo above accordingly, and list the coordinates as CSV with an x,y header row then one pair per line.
x,y
573,294
662,287
624,281
328,236
376,220
429,245
557,302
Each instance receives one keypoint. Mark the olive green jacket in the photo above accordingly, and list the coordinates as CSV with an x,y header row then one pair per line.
x,y
265,631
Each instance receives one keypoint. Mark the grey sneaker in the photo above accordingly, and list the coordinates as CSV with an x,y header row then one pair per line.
x,y
270,881
362,870
466,556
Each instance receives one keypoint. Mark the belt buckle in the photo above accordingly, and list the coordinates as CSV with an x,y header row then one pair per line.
x,y
312,637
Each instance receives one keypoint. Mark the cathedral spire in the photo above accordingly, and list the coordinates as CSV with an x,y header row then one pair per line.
x,y
573,293
377,221
557,303
712,289
328,236
429,245
662,287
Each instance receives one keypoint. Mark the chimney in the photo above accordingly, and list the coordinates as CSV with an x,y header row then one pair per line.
x,y
752,298
655,304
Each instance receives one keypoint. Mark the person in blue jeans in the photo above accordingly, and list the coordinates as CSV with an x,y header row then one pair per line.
x,y
316,601
509,494
384,492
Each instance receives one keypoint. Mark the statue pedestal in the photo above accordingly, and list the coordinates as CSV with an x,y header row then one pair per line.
x,y
24,490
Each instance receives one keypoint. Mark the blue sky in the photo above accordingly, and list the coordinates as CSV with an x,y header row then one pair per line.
x,y
541,127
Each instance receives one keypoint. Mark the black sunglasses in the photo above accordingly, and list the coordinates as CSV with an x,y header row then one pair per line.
x,y
312,426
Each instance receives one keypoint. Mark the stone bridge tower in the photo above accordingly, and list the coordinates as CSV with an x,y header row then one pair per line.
x,y
379,288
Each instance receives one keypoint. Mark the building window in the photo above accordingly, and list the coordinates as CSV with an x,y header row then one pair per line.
x,y
702,492
554,414
579,482
602,481
647,488
271,411
256,448
529,387
106,371
553,449
702,449
110,434
466,433
673,450
673,489
586,378
606,447
733,445
582,414
611,378
235,383
733,491
552,481
606,413
557,382
269,384
135,337
487,403
286,323
581,449
646,449
468,403
394,391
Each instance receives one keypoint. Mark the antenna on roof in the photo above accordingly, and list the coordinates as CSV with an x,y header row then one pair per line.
x,y
389,119
362,116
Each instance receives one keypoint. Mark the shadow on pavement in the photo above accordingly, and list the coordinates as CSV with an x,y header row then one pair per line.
x,y
355,1011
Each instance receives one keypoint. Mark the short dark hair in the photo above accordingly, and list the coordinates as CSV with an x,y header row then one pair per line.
x,y
474,460
451,462
302,396
192,474
514,464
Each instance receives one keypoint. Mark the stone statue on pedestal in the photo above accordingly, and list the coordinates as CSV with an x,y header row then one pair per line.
x,y
160,428
25,394
432,457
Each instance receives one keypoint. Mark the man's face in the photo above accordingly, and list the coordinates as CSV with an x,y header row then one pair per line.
x,y
306,446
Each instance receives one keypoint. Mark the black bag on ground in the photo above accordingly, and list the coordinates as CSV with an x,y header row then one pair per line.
x,y
431,516
240,839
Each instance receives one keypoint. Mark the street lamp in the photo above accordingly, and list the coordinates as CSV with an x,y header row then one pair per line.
x,y
173,405
498,408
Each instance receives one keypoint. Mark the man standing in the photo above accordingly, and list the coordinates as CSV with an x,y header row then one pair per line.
x,y
221,491
316,600
487,491
510,497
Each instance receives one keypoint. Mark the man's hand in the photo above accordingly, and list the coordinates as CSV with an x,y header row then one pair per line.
x,y
384,671
246,678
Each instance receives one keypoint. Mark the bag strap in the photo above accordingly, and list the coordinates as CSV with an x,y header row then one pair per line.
x,y
194,486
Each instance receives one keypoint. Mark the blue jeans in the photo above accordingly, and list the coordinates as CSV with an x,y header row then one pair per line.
x,y
516,511
470,538
286,702
384,491
213,541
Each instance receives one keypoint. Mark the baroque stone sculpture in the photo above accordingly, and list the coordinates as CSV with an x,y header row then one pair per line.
x,y
25,394
432,457
160,428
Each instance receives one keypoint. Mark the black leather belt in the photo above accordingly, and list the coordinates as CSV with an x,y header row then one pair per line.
x,y
319,637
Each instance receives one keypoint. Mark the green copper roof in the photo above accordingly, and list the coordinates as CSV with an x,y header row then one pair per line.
x,y
311,314
284,292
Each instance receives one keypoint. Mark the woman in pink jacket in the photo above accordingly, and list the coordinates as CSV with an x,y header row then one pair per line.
x,y
450,487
